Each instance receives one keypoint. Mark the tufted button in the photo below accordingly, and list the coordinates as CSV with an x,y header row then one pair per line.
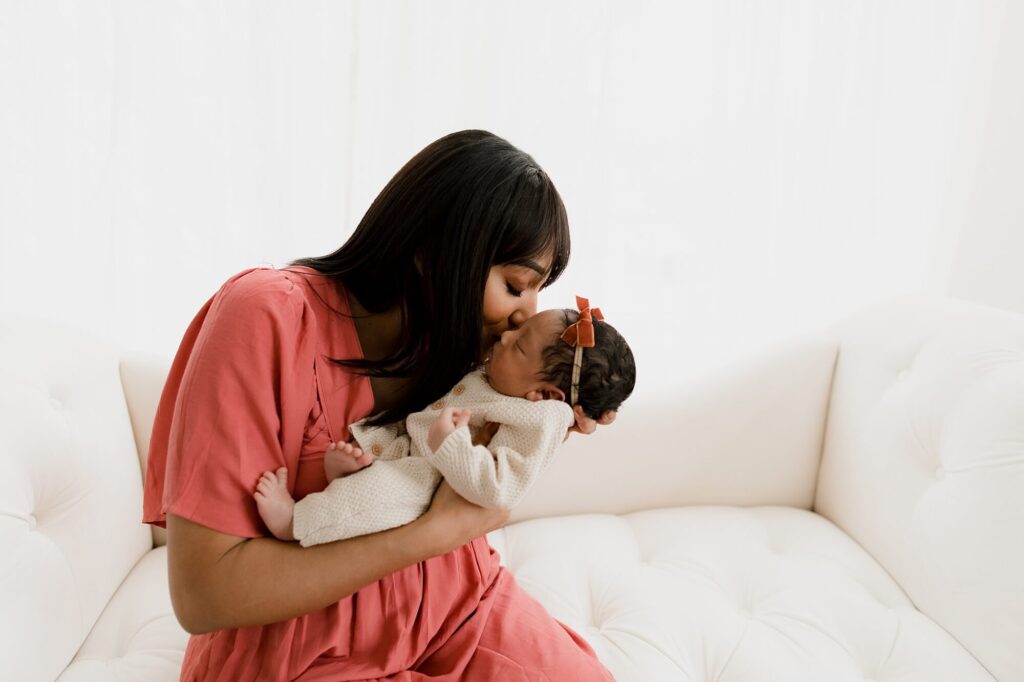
x,y
377,449
56,404
31,522
940,473
438,405
459,390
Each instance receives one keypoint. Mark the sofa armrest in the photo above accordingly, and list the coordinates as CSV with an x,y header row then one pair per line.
x,y
746,434
923,462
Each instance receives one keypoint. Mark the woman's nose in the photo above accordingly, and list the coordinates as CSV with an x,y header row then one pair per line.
x,y
525,311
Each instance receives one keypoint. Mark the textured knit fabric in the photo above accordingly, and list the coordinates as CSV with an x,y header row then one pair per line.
x,y
250,391
399,485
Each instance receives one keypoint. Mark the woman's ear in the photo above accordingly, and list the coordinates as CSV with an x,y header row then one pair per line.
x,y
546,392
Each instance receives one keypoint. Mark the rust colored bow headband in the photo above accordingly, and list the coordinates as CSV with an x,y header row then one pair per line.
x,y
580,335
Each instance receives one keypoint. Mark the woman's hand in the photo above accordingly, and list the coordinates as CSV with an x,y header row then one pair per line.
x,y
454,520
585,424
485,433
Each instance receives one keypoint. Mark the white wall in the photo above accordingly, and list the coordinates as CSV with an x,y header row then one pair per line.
x,y
734,171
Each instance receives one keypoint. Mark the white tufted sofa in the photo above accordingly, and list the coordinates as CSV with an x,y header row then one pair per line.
x,y
848,506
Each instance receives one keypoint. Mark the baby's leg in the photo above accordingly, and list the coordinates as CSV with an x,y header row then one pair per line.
x,y
277,508
342,459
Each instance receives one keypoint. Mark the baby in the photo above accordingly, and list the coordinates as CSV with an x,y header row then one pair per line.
x,y
527,385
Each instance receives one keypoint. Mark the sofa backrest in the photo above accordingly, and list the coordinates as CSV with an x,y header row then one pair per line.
x,y
746,433
70,493
923,462
143,377
758,420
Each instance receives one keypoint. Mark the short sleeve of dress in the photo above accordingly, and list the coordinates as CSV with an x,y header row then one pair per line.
x,y
235,404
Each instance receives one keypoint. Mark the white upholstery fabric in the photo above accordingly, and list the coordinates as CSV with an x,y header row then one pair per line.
x,y
729,594
137,637
924,463
698,557
70,494
143,379
746,434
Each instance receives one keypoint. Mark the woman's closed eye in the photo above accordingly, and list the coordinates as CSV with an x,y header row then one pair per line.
x,y
512,290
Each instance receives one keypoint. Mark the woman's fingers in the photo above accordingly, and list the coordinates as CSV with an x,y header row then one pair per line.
x,y
485,433
585,424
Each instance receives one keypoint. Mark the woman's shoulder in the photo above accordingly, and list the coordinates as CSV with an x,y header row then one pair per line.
x,y
252,302
258,281
267,290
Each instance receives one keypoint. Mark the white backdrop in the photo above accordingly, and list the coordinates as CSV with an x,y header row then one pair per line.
x,y
735,172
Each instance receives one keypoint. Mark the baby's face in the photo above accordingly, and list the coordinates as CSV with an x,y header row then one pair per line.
x,y
516,361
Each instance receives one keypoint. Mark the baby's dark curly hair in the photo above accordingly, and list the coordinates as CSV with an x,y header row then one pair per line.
x,y
608,372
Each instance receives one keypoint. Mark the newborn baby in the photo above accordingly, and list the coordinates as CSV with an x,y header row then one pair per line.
x,y
526,385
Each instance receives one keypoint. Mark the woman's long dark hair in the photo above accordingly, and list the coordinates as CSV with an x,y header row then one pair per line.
x,y
466,202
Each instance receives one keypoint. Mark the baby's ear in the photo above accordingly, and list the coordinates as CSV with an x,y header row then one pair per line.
x,y
546,392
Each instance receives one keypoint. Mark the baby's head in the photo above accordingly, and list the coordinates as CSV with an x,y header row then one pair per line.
x,y
533,362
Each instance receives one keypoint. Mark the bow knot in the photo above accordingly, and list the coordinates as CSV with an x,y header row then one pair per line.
x,y
581,332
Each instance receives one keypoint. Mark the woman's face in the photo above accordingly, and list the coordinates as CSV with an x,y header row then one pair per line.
x,y
510,297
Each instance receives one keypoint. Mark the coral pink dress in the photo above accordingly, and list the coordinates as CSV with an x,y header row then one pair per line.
x,y
250,391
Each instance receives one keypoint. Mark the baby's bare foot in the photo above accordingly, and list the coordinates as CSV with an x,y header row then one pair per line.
x,y
342,459
276,506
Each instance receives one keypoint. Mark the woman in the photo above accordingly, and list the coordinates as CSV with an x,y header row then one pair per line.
x,y
274,367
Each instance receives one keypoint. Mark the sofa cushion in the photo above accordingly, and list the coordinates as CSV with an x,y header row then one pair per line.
x,y
695,593
729,594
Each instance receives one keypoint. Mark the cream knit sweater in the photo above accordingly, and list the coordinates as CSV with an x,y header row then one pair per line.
x,y
399,485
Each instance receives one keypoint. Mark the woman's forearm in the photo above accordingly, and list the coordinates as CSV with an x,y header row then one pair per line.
x,y
264,580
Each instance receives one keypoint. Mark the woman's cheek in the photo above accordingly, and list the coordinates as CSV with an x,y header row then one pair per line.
x,y
494,311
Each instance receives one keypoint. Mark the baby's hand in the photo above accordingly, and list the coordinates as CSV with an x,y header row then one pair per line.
x,y
451,418
342,459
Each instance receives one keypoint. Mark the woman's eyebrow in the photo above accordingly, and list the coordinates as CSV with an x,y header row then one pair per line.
x,y
535,266
532,265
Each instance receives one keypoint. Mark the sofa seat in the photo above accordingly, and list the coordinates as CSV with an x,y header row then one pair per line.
x,y
689,593
727,593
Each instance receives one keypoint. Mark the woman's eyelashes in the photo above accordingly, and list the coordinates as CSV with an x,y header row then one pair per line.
x,y
512,290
